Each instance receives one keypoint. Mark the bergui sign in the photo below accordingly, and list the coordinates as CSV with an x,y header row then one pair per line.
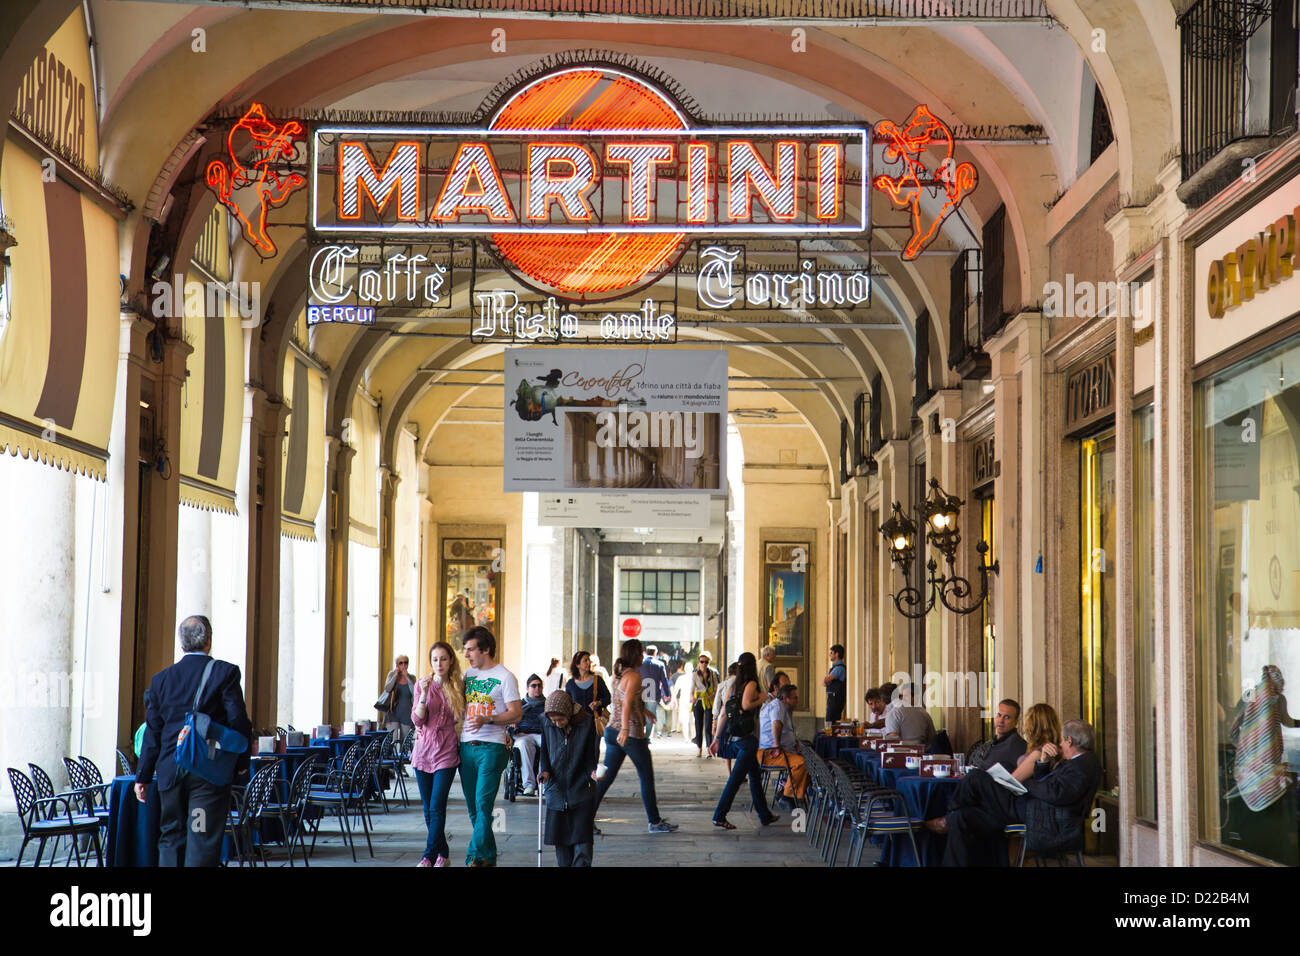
x,y
588,182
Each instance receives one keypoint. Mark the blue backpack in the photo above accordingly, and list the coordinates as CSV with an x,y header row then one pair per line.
x,y
204,747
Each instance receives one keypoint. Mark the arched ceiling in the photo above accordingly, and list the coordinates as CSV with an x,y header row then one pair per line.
x,y
156,90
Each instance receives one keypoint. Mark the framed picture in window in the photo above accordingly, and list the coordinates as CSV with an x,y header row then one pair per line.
x,y
471,587
786,619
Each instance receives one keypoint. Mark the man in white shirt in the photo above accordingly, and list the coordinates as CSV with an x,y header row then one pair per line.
x,y
909,722
492,703
778,745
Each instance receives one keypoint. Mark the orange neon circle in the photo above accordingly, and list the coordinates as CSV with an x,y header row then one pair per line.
x,y
594,264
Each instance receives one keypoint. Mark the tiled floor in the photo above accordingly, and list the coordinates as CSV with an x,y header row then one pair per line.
x,y
687,789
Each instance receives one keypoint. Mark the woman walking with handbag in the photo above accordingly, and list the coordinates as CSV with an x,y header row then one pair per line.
x,y
704,681
739,722
439,709
398,696
587,689
626,735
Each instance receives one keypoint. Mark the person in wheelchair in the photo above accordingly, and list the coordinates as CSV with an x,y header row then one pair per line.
x,y
527,733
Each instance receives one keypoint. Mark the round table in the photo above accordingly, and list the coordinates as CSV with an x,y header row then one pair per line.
x,y
927,799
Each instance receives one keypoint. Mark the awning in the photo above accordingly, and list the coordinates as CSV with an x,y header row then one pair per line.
x,y
304,449
59,349
212,397
364,504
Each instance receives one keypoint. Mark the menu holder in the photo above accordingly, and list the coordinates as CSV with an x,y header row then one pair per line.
x,y
938,767
845,728
898,760
882,744
266,745
296,739
350,728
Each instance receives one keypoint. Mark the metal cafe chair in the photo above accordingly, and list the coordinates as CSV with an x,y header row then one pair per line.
x,y
246,810
290,810
390,760
124,764
341,794
43,824
886,815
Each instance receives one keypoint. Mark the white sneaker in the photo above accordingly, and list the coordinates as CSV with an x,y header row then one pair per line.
x,y
530,791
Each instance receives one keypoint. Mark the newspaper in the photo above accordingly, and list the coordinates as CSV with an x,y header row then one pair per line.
x,y
1004,778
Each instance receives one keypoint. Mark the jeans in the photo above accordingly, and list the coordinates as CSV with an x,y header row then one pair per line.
x,y
577,855
745,754
434,788
481,766
639,752
703,725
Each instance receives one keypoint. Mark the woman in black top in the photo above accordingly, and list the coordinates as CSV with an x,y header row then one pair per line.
x,y
746,699
585,686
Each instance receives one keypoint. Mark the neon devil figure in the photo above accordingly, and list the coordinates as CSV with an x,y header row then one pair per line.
x,y
270,144
907,145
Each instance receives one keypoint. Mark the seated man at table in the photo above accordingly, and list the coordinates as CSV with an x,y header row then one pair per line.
x,y
528,732
1007,746
875,710
1052,808
911,723
778,745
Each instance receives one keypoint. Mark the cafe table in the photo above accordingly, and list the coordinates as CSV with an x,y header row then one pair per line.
x,y
927,799
134,827
868,761
830,748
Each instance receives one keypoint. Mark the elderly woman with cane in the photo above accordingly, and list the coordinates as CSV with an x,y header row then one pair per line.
x,y
568,774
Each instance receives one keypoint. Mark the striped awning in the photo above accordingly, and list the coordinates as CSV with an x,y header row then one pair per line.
x,y
212,398
364,502
304,449
59,349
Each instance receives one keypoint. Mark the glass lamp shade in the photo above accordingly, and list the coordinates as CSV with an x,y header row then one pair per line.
x,y
900,534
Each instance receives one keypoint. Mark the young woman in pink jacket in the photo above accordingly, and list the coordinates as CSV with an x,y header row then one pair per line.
x,y
437,714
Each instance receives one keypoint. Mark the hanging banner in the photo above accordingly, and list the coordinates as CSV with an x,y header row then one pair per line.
x,y
615,420
623,510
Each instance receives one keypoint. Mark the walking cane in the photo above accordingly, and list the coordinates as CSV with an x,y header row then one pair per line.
x,y
541,799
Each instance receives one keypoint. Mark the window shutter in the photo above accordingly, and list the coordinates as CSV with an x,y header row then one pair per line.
x,y
994,259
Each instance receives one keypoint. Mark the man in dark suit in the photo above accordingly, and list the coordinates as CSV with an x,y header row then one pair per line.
x,y
193,810
1051,809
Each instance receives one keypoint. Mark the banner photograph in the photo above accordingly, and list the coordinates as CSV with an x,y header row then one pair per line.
x,y
607,419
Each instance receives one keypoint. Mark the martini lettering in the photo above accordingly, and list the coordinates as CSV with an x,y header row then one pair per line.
x,y
667,181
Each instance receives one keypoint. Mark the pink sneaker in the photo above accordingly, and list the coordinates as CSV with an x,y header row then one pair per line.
x,y
442,861
424,861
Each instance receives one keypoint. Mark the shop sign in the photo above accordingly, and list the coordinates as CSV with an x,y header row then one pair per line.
x,y
1090,393
588,182
1244,271
985,465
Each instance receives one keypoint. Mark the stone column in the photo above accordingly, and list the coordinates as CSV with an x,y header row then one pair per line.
x,y
36,616
338,486
124,490
388,481
262,484
1005,586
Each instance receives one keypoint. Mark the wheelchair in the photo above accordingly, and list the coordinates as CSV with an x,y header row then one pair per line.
x,y
512,781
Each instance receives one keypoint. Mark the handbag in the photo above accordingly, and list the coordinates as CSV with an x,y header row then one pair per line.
x,y
385,702
740,722
206,748
601,722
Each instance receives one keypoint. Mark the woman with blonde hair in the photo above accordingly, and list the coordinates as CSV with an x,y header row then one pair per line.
x,y
438,713
1042,726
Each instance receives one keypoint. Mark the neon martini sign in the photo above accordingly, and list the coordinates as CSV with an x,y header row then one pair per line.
x,y
588,183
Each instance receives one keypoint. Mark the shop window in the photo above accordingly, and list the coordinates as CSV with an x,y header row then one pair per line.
x,y
659,592
1248,603
988,632
1144,612
1097,549
471,586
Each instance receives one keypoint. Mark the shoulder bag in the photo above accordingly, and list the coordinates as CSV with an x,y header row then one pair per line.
x,y
204,747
